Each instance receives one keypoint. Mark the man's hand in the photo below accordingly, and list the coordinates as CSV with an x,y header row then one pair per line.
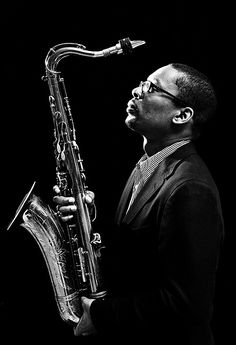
x,y
85,325
66,205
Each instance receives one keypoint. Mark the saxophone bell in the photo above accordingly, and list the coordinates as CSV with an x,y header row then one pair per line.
x,y
21,206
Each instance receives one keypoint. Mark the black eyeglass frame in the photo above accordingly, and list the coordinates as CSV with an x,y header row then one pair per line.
x,y
158,89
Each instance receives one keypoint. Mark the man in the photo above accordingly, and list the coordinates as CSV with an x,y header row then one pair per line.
x,y
160,266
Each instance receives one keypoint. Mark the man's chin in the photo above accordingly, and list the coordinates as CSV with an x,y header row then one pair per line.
x,y
131,121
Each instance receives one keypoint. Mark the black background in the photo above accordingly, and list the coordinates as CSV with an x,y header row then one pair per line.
x,y
198,34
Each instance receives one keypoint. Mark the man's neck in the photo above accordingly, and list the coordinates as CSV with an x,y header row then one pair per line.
x,y
152,147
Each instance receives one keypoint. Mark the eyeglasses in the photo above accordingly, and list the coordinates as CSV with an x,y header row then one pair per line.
x,y
148,86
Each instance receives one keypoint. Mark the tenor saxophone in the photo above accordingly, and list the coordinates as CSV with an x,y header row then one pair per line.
x,y
72,251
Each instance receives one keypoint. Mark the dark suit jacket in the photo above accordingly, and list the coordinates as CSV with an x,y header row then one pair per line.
x,y
160,268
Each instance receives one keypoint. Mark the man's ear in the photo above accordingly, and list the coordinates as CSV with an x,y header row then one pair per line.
x,y
183,116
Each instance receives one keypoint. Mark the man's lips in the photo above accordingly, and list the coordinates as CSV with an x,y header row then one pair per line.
x,y
131,108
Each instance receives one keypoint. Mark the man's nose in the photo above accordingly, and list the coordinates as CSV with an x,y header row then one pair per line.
x,y
136,92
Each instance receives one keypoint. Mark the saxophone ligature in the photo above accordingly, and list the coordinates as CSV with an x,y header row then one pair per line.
x,y
72,251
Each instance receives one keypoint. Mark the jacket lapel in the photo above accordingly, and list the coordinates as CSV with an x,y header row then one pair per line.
x,y
152,185
125,197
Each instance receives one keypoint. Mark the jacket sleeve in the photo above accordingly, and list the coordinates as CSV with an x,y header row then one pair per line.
x,y
189,246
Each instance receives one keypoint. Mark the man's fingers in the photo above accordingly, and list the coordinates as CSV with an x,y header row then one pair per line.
x,y
56,189
89,197
67,209
62,200
67,218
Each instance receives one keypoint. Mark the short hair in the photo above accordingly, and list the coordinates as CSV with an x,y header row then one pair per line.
x,y
196,89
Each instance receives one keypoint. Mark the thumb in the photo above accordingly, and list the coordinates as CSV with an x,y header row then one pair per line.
x,y
86,302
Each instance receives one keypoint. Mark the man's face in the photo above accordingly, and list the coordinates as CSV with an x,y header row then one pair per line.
x,y
151,114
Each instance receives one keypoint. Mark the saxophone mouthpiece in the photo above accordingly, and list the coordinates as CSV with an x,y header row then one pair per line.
x,y
124,46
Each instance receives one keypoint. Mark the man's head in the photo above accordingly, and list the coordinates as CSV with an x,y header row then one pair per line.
x,y
174,102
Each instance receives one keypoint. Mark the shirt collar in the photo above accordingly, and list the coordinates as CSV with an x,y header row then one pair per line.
x,y
148,164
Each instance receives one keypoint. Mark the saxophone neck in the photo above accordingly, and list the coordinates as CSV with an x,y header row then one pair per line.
x,y
60,51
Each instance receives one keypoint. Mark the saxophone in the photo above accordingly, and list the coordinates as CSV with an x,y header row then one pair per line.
x,y
72,251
